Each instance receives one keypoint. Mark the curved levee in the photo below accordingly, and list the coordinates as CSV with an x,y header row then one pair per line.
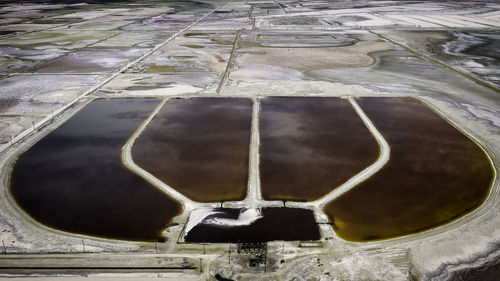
x,y
436,174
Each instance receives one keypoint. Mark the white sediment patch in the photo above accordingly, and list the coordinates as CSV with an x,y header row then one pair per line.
x,y
484,113
461,43
266,72
262,88
246,217
200,216
473,64
196,217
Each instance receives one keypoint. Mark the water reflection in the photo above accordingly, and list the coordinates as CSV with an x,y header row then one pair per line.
x,y
73,178
309,146
435,174
199,147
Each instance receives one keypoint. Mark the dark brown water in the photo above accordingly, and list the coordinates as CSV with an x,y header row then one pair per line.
x,y
199,147
309,146
74,180
435,174
283,224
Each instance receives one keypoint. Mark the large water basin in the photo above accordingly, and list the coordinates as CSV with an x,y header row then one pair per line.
x,y
436,174
73,179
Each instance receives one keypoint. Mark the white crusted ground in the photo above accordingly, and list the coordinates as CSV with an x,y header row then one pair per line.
x,y
449,88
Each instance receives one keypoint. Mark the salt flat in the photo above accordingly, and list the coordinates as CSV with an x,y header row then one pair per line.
x,y
57,59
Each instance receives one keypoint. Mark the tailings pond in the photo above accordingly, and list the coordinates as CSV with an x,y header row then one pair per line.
x,y
233,225
435,174
199,147
73,179
309,146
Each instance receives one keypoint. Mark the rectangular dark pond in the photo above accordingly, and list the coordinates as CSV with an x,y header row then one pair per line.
x,y
73,179
309,146
226,225
435,174
199,147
